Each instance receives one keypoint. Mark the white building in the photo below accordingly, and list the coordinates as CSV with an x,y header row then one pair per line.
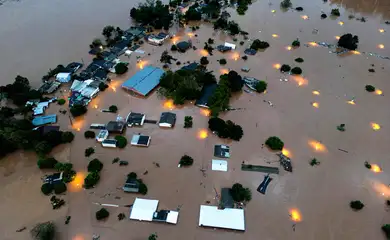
x,y
146,210
63,77
229,218
111,143
103,134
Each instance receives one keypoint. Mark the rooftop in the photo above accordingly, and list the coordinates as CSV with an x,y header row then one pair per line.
x,y
135,119
42,120
143,209
144,81
221,151
207,92
140,140
230,218
115,126
167,118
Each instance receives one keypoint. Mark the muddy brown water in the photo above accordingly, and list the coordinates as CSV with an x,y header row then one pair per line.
x,y
41,34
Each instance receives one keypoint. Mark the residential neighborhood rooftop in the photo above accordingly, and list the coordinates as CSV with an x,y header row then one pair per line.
x,y
144,81
115,127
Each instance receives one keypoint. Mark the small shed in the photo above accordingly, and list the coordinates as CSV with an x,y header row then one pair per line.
x,y
135,119
167,119
140,140
131,185
222,151
111,143
115,127
231,45
54,178
64,77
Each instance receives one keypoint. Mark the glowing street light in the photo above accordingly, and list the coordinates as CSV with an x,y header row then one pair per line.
x,y
286,152
381,30
277,66
202,134
275,35
337,37
288,48
315,104
168,104
341,23
205,112
316,93
381,46
375,126
295,215
313,44
375,168
317,146
305,17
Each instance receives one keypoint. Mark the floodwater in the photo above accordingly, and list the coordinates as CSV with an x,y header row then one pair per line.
x,y
45,33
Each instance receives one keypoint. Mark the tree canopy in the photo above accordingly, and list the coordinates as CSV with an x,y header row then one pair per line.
x,y
184,85
348,41
95,165
78,110
240,194
226,129
121,68
19,92
261,86
44,231
274,143
152,13
257,44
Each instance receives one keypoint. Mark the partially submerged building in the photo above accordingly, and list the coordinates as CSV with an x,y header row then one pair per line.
x,y
146,210
64,77
206,93
144,81
103,134
42,120
115,127
140,140
183,46
219,165
251,82
157,39
222,151
49,87
228,218
135,119
54,178
131,185
111,143
167,120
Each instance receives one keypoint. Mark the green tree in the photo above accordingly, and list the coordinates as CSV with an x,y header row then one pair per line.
x,y
61,101
43,148
121,68
102,214
240,194
348,41
89,151
187,122
44,231
296,43
261,86
222,61
113,108
121,141
102,86
91,179
153,237
47,188
386,229
285,68
95,165
108,31
89,134
296,71
186,160
299,60
204,61
370,88
235,131
274,143
143,189
67,137
59,188
286,4
257,44
356,205
234,81
335,12
173,47
78,110
132,175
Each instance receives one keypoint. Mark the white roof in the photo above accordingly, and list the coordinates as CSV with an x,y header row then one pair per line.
x,y
40,108
128,52
143,209
89,92
230,218
231,45
63,77
219,165
172,217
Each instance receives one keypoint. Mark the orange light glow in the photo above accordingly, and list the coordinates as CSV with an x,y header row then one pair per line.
x,y
277,66
224,71
273,11
175,39
382,189
375,126
77,183
313,44
337,37
235,56
300,80
381,30
295,215
378,92
113,89
288,48
204,53
317,146
205,112
341,23
316,92
190,34
141,64
352,102
315,104
78,237
381,46
168,104
286,152
356,52
95,106
78,123
305,17
275,35
375,168
202,134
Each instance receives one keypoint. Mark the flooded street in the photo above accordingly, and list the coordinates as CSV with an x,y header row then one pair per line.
x,y
38,35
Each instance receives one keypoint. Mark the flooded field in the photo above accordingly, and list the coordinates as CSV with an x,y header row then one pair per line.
x,y
305,113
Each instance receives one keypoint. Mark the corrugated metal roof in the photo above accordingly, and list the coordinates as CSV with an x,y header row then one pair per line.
x,y
144,81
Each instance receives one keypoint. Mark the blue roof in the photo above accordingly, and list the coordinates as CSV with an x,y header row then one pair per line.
x,y
42,120
207,92
144,81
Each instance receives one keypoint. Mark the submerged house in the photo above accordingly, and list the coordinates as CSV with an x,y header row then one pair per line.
x,y
228,218
111,143
135,119
222,151
167,119
146,210
131,185
144,81
206,93
64,77
42,120
140,140
157,39
183,46
54,178
115,127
